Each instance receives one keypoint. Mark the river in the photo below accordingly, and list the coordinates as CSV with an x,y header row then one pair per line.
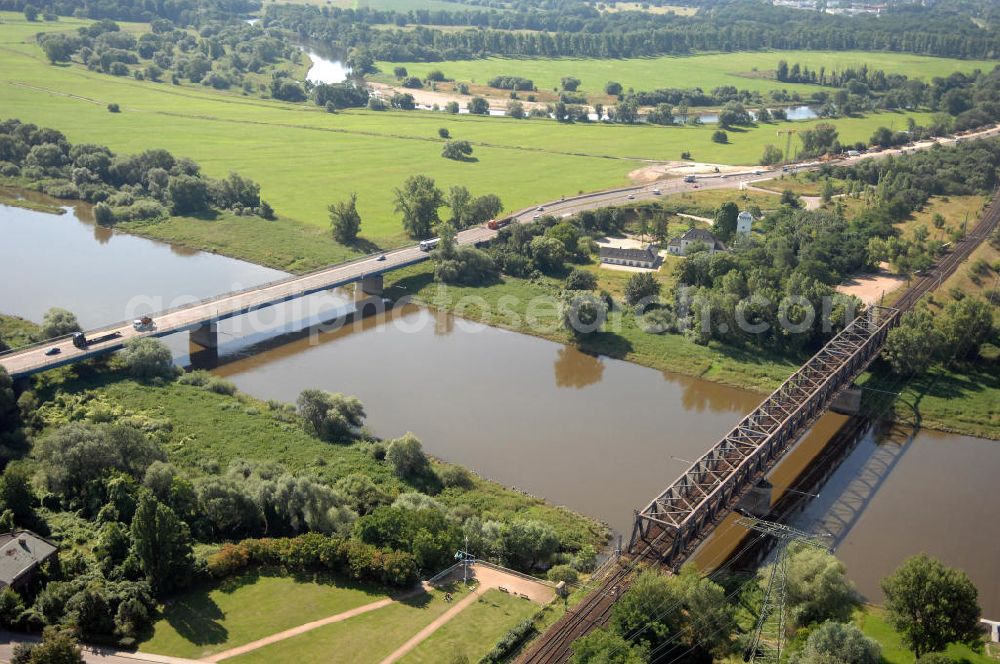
x,y
598,435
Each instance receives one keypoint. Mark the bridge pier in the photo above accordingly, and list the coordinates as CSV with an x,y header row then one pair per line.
x,y
206,335
368,295
848,402
757,501
370,285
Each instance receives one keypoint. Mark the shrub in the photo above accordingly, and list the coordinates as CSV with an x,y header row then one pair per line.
x,y
331,416
456,476
719,136
581,280
61,189
146,358
457,150
838,642
585,559
313,551
406,456
220,386
935,658
114,108
509,642
563,573
641,286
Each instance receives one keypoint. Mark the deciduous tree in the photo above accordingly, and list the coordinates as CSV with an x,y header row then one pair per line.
x,y
162,544
345,221
418,201
931,605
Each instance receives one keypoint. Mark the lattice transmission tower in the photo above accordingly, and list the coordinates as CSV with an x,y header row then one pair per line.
x,y
769,633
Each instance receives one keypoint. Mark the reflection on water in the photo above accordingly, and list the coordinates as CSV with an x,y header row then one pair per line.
x,y
530,413
577,369
899,493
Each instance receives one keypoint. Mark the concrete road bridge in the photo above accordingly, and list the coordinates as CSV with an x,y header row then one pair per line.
x,y
200,318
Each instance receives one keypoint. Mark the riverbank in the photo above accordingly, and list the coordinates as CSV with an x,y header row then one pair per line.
x,y
959,400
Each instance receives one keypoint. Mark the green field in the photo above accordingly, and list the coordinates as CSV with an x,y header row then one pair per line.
x,y
208,620
364,639
473,631
305,158
746,71
874,624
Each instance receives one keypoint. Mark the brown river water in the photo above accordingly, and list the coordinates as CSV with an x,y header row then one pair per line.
x,y
598,435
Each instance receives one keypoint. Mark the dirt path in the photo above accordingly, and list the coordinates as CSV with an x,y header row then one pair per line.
x,y
307,627
489,577
420,636
696,218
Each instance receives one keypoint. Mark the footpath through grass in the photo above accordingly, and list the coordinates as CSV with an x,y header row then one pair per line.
x,y
473,631
210,619
364,639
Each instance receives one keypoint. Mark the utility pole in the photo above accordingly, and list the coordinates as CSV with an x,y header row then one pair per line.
x,y
466,558
769,633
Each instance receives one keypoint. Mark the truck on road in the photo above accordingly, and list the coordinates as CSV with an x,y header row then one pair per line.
x,y
81,341
143,324
497,224
427,245
689,178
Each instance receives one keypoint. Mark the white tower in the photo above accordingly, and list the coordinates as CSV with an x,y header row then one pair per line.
x,y
743,223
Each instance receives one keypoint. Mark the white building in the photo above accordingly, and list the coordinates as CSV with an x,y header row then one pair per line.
x,y
679,245
646,257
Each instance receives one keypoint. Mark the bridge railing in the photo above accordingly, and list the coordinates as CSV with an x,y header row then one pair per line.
x,y
205,300
711,484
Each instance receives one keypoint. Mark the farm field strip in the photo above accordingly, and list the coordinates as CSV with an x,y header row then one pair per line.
x,y
744,70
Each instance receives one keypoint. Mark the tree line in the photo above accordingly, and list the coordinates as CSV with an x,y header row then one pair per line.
x,y
144,186
583,32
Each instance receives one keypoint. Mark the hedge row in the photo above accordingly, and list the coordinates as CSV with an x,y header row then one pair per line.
x,y
314,551
509,642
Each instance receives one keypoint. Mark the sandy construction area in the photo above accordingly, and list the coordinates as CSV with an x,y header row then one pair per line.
x,y
680,169
869,288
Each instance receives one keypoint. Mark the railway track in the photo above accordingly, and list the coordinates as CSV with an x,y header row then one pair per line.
x,y
595,609
947,265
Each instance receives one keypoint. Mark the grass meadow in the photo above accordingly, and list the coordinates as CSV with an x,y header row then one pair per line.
x,y
744,70
364,639
306,158
212,618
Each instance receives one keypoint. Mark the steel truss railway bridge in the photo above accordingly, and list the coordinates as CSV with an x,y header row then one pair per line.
x,y
668,529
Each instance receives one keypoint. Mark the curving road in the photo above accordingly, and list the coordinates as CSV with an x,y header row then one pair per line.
x,y
32,359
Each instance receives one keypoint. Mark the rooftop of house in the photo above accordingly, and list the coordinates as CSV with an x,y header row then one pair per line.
x,y
646,254
697,235
20,552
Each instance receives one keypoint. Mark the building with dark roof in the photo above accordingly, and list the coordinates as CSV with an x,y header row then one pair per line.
x,y
21,552
647,257
679,245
